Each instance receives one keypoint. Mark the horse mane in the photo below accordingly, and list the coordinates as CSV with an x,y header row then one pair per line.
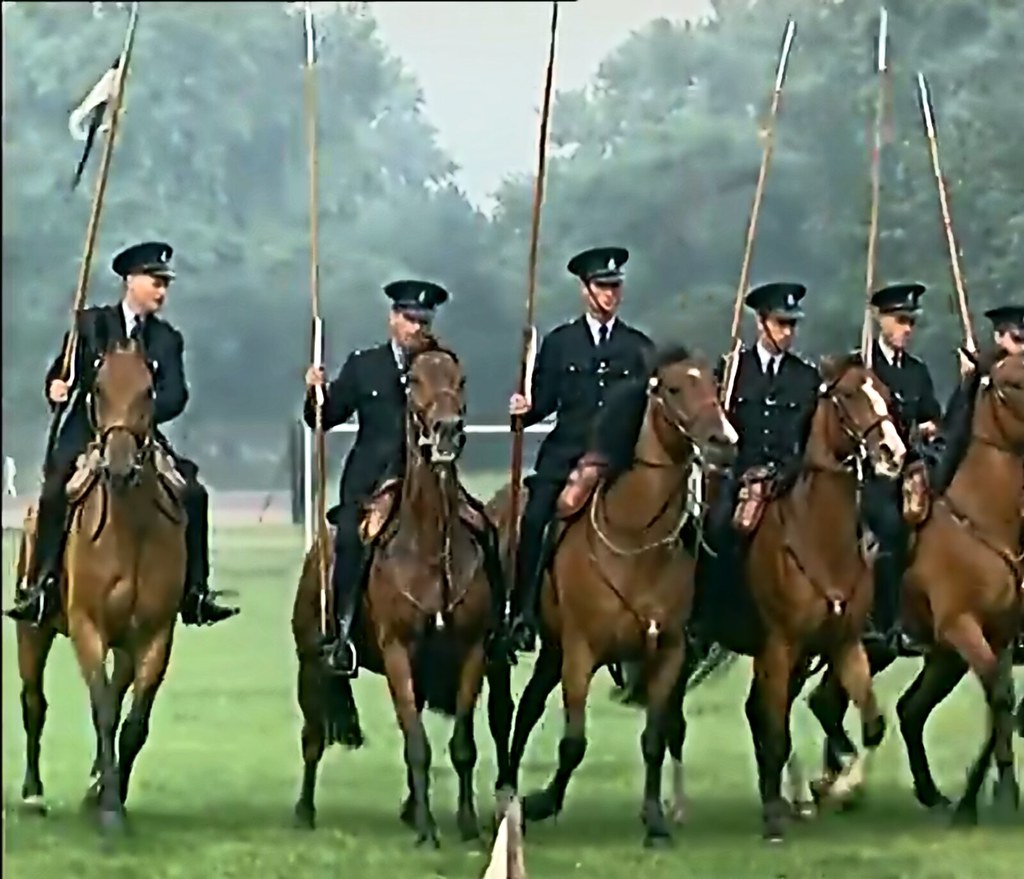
x,y
425,342
668,354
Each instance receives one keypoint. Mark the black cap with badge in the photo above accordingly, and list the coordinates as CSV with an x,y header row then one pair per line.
x,y
898,299
148,258
417,300
779,299
602,265
1006,318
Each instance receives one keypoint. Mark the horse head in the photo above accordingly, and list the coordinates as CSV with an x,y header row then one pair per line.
x,y
1003,384
436,406
857,419
685,409
121,407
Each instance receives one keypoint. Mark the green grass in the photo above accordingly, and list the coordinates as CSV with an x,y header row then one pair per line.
x,y
214,788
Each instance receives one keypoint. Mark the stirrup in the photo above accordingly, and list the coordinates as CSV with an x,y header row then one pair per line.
x,y
350,669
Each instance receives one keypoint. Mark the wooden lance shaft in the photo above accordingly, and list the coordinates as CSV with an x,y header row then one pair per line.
x,y
768,134
516,468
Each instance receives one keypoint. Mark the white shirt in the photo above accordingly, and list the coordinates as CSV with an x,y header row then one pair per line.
x,y
399,355
888,352
594,325
129,317
764,357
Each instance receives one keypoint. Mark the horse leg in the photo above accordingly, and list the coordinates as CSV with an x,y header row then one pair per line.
x,y
500,709
90,650
577,673
800,796
121,680
150,669
34,645
462,745
661,680
773,668
313,738
398,669
967,637
675,737
1007,791
942,671
547,671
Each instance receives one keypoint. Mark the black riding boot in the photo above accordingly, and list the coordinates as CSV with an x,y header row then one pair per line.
x,y
888,622
529,575
719,529
346,584
199,606
40,597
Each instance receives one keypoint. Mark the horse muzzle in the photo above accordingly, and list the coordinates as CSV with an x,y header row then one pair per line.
x,y
445,440
123,458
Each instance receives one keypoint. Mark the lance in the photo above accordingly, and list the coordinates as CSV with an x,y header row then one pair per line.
x,y
928,116
768,136
529,344
113,110
882,69
319,439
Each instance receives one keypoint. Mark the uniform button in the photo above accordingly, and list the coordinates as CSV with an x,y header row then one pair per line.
x,y
601,382
600,403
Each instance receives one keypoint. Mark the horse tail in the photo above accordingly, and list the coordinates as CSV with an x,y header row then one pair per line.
x,y
436,675
340,713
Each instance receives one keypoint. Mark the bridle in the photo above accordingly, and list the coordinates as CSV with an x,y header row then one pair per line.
x,y
144,446
424,434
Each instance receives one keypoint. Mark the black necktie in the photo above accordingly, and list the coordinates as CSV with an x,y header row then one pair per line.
x,y
897,359
602,335
770,369
136,331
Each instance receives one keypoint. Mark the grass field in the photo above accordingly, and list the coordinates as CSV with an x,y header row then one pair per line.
x,y
214,788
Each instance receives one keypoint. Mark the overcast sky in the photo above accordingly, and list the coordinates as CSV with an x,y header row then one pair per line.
x,y
481,65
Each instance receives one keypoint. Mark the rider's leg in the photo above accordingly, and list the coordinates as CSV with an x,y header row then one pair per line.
x,y
346,584
540,507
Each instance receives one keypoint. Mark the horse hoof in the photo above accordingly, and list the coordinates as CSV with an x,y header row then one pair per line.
x,y
539,806
658,837
111,821
1006,796
428,838
933,800
34,804
677,812
305,817
407,814
803,810
469,828
965,816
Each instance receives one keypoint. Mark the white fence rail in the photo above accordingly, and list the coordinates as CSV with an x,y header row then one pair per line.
x,y
309,515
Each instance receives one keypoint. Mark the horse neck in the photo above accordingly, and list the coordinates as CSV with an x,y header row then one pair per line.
x,y
429,500
131,511
652,486
824,500
989,483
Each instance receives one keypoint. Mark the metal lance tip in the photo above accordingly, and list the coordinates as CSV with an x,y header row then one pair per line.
x,y
787,44
926,105
883,38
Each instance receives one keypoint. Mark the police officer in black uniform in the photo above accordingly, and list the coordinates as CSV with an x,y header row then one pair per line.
x,y
578,365
1008,337
371,385
774,397
917,414
146,272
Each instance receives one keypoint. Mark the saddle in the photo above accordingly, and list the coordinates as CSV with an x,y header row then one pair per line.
x,y
758,486
580,485
378,512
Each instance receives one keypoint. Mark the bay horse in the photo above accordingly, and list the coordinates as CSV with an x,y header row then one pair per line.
x,y
962,595
804,589
123,576
618,583
426,613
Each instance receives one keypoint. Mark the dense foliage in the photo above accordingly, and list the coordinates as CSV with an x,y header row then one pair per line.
x,y
659,153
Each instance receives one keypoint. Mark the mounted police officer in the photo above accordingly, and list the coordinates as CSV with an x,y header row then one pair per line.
x,y
1008,338
372,386
773,399
917,413
578,365
146,273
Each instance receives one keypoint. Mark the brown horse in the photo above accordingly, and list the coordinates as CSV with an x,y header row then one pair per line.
x,y
809,584
426,613
619,583
123,578
962,593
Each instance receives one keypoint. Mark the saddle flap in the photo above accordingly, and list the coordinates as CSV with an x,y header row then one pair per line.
x,y
917,501
580,486
378,510
87,469
757,487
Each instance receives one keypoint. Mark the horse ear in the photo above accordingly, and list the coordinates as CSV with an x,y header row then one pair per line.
x,y
829,366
